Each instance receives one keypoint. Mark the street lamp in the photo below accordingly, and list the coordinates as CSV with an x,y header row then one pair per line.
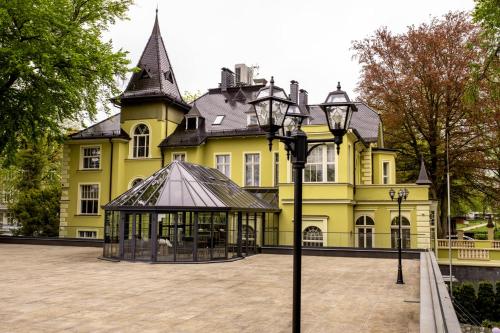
x,y
276,112
402,195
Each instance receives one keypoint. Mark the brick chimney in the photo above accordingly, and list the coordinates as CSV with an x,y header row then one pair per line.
x,y
294,91
303,97
226,78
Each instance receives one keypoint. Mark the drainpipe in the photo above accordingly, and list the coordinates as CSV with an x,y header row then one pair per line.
x,y
354,184
110,169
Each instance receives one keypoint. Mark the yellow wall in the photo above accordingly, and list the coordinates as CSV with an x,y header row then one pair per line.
x,y
331,206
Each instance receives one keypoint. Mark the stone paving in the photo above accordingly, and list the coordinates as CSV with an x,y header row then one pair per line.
x,y
66,289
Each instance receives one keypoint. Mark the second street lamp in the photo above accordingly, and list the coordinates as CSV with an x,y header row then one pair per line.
x,y
276,112
402,195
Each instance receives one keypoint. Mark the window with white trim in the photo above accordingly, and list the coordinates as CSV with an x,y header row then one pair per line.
x,y
252,169
179,157
385,172
136,182
321,164
252,120
405,233
141,141
223,164
312,236
89,199
87,234
91,157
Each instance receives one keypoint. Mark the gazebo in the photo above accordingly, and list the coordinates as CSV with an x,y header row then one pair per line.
x,y
185,213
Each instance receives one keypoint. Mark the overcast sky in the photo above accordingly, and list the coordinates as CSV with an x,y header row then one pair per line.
x,y
308,41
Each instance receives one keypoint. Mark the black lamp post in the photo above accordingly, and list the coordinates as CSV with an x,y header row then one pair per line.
x,y
402,195
276,112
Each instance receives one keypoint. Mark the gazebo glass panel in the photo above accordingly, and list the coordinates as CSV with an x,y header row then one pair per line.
x,y
111,234
143,237
184,237
219,233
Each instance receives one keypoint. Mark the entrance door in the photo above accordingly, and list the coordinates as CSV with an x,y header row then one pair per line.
x,y
137,237
364,234
365,237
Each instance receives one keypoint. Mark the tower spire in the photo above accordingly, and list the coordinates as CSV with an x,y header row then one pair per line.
x,y
423,178
156,76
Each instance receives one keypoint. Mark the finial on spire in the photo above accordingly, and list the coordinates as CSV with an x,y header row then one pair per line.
x,y
272,80
157,9
338,86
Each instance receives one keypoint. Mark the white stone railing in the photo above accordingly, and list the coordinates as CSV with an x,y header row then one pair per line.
x,y
456,243
495,244
474,254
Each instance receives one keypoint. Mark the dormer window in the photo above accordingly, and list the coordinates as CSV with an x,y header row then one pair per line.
x,y
145,74
252,120
218,120
168,76
191,123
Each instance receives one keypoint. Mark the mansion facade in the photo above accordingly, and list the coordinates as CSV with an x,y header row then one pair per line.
x,y
346,198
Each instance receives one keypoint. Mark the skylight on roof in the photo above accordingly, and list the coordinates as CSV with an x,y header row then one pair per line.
x,y
218,120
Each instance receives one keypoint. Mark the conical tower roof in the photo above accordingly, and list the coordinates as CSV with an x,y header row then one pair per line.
x,y
188,187
155,77
423,178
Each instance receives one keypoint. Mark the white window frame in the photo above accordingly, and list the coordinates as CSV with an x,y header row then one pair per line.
x,y
179,153
324,166
364,226
197,123
388,176
250,122
219,119
79,212
148,139
130,184
87,230
82,156
253,183
228,163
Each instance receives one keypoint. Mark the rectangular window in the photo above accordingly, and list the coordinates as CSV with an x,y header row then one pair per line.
x,y
252,120
89,199
179,157
276,168
87,234
320,165
223,164
91,157
252,169
385,172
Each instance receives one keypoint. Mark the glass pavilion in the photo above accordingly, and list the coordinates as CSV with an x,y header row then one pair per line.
x,y
186,213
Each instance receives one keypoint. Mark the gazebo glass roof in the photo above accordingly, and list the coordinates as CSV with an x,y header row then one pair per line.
x,y
186,186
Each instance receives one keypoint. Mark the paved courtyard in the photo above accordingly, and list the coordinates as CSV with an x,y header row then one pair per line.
x,y
66,289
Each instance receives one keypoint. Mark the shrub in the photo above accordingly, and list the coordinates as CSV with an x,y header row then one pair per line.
x,y
485,301
496,313
465,296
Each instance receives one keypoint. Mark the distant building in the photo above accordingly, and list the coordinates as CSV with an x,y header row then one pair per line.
x,y
7,221
346,196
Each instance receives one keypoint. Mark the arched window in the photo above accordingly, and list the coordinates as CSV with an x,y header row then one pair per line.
x,y
136,181
405,232
141,141
312,236
364,231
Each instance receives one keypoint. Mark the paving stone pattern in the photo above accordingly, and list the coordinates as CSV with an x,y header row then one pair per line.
x,y
66,289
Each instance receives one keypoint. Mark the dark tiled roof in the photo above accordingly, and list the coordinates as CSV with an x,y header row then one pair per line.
x,y
182,185
108,128
365,121
234,108
156,76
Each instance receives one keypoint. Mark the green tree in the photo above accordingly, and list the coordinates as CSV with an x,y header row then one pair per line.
x,y
418,80
190,97
54,65
36,207
485,302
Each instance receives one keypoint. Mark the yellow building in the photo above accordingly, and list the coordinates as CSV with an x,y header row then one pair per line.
x,y
346,196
